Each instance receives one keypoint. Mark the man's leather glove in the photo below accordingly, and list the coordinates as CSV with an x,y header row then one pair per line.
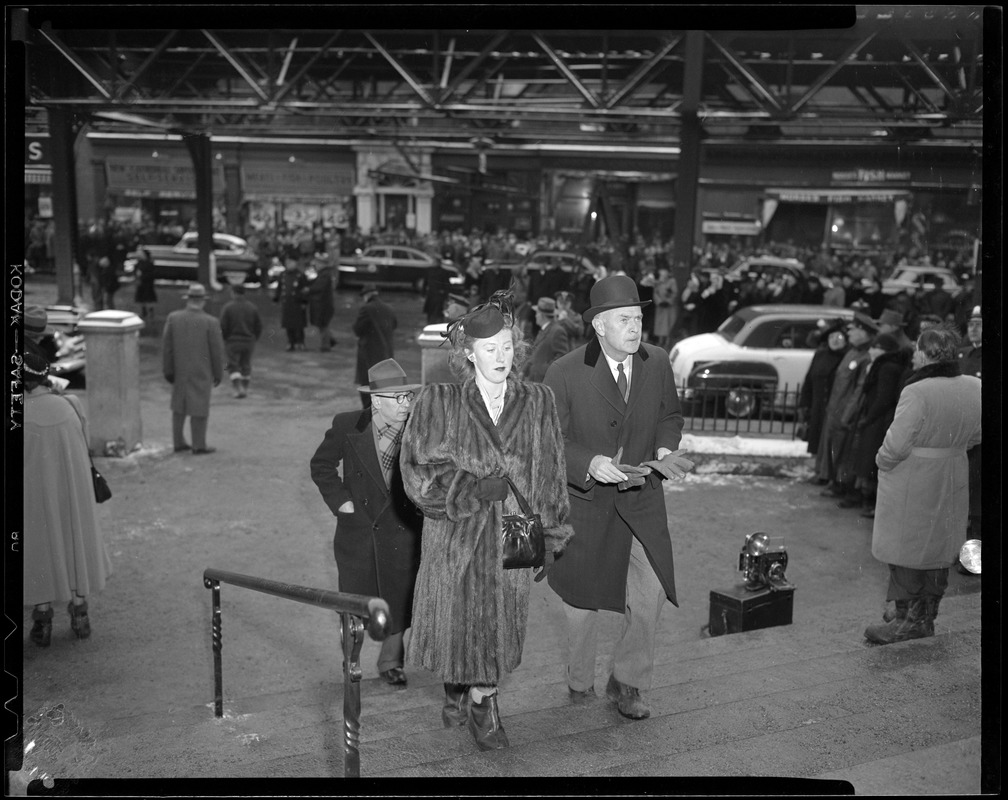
x,y
548,560
635,475
491,488
674,465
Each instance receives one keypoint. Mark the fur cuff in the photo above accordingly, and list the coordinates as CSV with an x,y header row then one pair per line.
x,y
461,501
557,538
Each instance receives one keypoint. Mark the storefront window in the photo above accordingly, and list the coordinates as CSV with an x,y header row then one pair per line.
x,y
862,226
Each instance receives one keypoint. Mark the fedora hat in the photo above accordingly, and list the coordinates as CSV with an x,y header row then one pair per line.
x,y
196,291
388,376
368,288
547,306
614,291
36,321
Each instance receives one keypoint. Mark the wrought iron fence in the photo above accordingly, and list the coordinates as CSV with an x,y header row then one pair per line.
x,y
357,614
741,411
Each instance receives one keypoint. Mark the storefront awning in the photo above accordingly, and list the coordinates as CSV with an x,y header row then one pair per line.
x,y
834,195
731,227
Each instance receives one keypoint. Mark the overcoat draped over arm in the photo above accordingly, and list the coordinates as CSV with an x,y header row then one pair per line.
x,y
469,614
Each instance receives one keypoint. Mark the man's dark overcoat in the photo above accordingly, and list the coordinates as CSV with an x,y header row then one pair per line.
x,y
593,569
377,546
469,613
192,359
321,304
881,394
373,327
290,294
550,343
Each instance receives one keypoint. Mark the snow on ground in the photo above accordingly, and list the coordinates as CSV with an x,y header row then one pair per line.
x,y
738,445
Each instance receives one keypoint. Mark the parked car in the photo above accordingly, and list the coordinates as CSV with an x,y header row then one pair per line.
x,y
759,354
64,346
770,267
923,278
391,264
233,261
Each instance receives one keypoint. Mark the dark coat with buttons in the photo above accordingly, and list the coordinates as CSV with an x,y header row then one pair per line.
x,y
592,571
377,546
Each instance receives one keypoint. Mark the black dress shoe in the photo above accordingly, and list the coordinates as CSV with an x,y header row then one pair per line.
x,y
581,698
202,451
394,676
183,448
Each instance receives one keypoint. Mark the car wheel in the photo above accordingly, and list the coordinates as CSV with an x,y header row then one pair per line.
x,y
740,402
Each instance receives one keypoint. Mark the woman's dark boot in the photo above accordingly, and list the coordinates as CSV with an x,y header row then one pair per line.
x,y
456,706
41,632
485,724
899,612
79,622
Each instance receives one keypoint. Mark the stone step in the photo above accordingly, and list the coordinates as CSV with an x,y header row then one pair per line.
x,y
720,696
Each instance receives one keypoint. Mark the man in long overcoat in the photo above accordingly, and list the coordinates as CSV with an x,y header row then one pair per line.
x,y
550,343
192,351
373,327
617,403
377,541
321,303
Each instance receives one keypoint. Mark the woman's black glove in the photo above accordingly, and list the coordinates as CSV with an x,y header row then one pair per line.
x,y
492,488
547,563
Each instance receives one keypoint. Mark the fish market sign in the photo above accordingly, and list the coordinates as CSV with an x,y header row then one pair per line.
x,y
870,176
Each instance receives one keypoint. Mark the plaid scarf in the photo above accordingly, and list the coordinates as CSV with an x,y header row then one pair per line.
x,y
389,439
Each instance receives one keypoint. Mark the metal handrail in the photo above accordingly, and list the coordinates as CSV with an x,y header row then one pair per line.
x,y
357,614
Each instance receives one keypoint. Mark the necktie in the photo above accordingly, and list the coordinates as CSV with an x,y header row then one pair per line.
x,y
621,383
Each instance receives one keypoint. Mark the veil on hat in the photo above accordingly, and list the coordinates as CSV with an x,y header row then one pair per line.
x,y
484,320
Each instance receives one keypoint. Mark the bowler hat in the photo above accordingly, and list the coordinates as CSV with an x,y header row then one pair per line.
x,y
388,376
196,291
890,317
614,291
36,321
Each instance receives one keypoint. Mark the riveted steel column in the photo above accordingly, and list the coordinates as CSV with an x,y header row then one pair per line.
x,y
689,159
353,637
202,158
64,189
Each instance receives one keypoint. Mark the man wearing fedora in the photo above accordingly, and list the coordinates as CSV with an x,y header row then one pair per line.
x,y
377,541
192,352
550,343
618,407
892,322
373,327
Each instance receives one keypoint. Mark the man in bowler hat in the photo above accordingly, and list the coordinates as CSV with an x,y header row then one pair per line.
x,y
377,541
622,424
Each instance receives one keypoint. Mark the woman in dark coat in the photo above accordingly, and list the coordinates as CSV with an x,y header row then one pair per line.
x,y
880,396
145,294
469,613
291,295
815,388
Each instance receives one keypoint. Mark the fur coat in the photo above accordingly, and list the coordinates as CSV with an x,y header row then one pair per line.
x,y
469,613
923,492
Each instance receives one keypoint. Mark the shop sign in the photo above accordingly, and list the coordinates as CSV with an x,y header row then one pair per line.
x,y
161,177
36,150
836,195
732,227
870,175
300,179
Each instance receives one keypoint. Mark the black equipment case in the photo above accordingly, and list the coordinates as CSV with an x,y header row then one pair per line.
x,y
738,609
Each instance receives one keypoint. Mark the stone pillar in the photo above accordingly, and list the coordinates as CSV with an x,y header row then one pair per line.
x,y
365,209
112,342
424,218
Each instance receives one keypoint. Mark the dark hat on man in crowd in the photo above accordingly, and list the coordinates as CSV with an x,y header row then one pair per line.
x,y
36,321
460,299
368,288
975,313
613,291
547,306
388,376
886,342
196,291
864,322
891,317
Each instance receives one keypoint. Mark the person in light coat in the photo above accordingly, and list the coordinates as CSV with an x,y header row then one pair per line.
x,y
192,349
923,485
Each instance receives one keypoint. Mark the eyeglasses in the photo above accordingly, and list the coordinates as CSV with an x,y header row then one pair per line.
x,y
402,397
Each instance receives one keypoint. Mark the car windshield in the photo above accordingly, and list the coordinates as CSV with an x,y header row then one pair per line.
x,y
730,328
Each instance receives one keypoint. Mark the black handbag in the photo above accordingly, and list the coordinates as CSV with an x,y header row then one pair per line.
x,y
102,492
523,542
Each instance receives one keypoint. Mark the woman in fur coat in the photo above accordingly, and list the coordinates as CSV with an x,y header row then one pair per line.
x,y
469,613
